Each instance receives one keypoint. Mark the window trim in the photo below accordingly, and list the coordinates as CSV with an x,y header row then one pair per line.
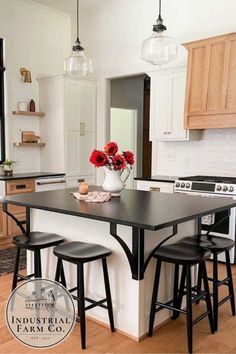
x,y
2,102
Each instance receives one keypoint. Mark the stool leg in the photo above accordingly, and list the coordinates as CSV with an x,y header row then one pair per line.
x,y
57,275
189,309
37,264
154,297
108,294
199,280
230,282
208,298
16,269
215,290
63,278
181,291
81,303
175,293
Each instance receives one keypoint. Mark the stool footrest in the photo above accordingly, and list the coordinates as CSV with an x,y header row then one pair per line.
x,y
199,318
24,277
168,305
221,282
94,303
221,302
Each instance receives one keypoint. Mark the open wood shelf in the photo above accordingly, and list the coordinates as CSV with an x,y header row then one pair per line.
x,y
28,113
29,144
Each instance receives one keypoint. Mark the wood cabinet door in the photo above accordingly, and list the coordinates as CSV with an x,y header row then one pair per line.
x,y
211,86
3,223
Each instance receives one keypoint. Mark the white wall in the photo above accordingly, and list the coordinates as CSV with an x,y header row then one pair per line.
x,y
113,35
38,38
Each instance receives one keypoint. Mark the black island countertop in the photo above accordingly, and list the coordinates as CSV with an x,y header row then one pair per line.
x,y
134,208
28,175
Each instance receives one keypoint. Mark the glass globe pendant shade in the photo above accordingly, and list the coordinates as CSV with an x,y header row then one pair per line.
x,y
159,49
78,65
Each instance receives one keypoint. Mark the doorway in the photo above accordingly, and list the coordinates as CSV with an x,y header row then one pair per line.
x,y
127,118
129,121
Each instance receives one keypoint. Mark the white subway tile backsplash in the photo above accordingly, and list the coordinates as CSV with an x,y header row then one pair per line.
x,y
215,154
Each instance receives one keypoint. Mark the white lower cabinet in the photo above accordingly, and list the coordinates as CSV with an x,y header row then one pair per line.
x,y
154,186
73,181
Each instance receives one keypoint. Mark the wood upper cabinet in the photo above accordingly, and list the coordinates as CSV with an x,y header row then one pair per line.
x,y
211,84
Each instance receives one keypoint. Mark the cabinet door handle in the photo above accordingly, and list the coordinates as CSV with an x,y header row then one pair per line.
x,y
82,129
165,133
155,189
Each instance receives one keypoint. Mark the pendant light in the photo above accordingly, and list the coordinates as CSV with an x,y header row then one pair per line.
x,y
159,48
78,65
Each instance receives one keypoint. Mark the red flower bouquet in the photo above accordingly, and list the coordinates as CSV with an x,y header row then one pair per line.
x,y
111,158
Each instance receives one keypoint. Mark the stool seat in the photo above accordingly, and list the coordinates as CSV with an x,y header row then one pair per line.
x,y
213,243
81,252
182,253
37,240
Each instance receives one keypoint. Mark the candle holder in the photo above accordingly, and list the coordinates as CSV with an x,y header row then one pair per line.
x,y
83,188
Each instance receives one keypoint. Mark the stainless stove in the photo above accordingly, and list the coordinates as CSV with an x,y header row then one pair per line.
x,y
207,184
211,187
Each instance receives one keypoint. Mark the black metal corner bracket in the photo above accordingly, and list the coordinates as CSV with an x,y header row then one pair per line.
x,y
138,264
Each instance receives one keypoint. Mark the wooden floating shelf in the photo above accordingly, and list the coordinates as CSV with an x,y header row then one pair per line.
x,y
29,144
28,113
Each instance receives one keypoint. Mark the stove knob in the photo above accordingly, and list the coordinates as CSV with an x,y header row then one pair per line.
x,y
224,189
177,184
218,188
188,185
182,185
231,189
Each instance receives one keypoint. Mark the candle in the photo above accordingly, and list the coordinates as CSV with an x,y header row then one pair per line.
x,y
83,188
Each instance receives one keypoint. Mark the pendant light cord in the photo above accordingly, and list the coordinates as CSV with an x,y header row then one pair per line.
x,y
159,9
78,20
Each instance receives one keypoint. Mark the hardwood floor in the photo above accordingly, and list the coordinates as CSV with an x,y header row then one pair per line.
x,y
170,338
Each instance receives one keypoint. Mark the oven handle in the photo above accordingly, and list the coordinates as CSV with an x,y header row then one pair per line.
x,y
52,182
217,224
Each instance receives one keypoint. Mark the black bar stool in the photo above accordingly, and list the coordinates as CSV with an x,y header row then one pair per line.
x,y
216,245
187,256
34,242
79,253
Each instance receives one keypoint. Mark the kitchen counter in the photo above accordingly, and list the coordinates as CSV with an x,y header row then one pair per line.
x,y
132,226
29,175
158,178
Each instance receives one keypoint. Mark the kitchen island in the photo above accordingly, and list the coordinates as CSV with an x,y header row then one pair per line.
x,y
132,226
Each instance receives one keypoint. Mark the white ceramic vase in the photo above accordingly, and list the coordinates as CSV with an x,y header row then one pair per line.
x,y
114,183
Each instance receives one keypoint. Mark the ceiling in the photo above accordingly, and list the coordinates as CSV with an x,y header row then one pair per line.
x,y
69,6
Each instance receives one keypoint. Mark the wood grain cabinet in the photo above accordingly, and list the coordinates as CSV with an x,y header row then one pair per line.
x,y
8,227
211,85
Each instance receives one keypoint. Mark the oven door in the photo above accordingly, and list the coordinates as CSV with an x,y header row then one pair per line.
x,y
225,229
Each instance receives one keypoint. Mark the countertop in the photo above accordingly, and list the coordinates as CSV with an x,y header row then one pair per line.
x,y
134,208
158,178
30,175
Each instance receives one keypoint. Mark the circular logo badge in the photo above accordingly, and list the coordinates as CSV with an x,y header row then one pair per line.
x,y
40,313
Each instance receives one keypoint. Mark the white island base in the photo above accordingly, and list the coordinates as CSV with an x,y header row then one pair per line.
x,y
131,298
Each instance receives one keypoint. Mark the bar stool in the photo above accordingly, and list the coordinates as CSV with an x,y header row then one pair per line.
x,y
216,245
80,253
34,242
187,256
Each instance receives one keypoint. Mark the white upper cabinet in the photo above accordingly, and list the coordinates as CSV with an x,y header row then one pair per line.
x,y
167,107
